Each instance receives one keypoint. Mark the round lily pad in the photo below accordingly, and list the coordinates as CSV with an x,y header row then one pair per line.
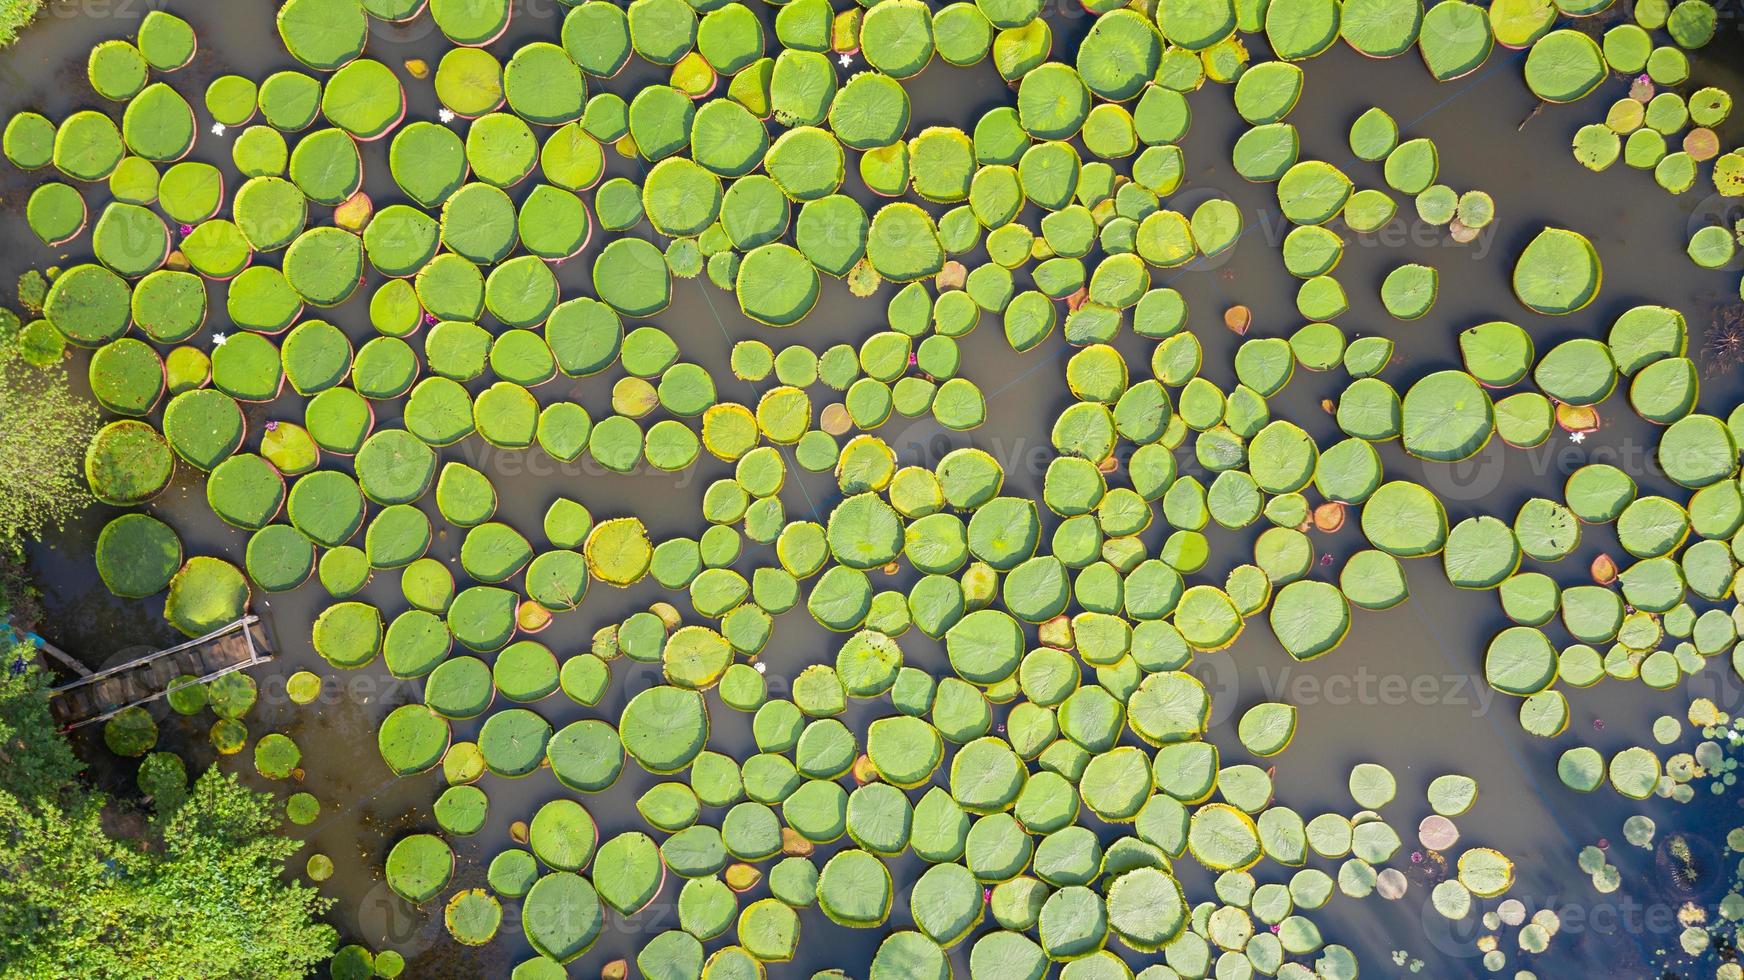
x,y
137,555
419,867
664,728
1565,66
776,285
1558,273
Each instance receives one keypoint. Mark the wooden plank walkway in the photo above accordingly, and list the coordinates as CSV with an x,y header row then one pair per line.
x,y
60,656
100,696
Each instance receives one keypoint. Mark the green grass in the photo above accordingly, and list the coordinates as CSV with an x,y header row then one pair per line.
x,y
15,15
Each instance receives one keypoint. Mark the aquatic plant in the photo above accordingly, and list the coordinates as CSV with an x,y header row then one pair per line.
x,y
44,433
15,15
1723,347
1028,659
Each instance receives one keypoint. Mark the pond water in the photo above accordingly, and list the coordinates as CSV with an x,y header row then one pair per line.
x,y
1405,690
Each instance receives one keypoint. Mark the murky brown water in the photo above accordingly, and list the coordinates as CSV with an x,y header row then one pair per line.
x,y
1405,690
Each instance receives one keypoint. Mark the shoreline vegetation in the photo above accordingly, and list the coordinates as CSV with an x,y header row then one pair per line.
x,y
185,880
15,16
186,877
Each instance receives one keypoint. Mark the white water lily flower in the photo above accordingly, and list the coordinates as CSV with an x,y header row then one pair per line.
x,y
1577,437
217,129
446,115
218,340
846,59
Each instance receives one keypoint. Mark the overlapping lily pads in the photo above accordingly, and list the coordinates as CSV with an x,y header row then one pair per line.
x,y
1044,632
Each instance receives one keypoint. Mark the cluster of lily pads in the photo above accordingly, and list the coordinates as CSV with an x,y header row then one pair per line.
x,y
230,697
357,962
163,777
1709,924
1708,891
1052,779
1656,117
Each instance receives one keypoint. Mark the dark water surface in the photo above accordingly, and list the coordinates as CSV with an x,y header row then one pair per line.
x,y
1405,690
